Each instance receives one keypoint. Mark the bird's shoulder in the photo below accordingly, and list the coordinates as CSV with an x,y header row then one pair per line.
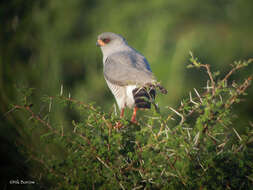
x,y
129,57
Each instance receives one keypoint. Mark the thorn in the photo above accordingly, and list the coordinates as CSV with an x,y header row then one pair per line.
x,y
189,135
191,54
115,109
196,138
99,159
156,107
62,133
50,105
237,134
207,85
61,92
215,139
222,145
220,98
192,100
182,117
198,95
75,129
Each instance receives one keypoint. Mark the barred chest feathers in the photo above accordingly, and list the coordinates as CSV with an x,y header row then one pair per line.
x,y
123,94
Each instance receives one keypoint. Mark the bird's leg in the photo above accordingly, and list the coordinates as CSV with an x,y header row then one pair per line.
x,y
122,113
118,124
133,119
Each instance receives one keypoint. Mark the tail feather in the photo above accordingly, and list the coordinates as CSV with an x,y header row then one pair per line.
x,y
143,97
162,89
159,86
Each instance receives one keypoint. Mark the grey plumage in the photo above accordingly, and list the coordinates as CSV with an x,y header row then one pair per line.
x,y
127,68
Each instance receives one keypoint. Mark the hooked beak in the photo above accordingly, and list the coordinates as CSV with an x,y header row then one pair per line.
x,y
100,43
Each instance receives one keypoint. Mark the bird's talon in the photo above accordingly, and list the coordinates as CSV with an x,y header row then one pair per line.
x,y
134,122
118,125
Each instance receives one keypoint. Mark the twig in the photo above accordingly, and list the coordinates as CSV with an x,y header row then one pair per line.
x,y
207,67
76,102
33,115
210,76
56,132
240,90
8,112
233,70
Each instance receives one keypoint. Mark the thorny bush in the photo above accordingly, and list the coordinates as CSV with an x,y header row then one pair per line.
x,y
204,150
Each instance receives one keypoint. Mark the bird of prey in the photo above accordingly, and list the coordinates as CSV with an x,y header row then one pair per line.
x,y
127,74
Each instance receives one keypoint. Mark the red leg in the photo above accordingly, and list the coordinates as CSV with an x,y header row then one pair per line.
x,y
122,113
134,115
118,124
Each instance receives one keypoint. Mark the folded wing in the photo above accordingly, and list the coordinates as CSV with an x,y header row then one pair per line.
x,y
127,68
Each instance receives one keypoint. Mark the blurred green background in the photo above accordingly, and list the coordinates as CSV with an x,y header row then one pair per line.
x,y
45,44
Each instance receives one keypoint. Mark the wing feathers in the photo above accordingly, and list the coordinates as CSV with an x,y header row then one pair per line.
x,y
126,68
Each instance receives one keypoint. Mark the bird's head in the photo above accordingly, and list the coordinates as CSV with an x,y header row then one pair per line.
x,y
109,39
110,42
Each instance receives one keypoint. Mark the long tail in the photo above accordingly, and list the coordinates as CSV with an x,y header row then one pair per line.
x,y
144,96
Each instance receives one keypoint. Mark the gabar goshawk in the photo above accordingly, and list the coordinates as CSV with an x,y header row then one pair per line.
x,y
127,74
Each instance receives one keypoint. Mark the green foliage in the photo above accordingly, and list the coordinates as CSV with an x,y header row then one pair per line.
x,y
202,150
48,44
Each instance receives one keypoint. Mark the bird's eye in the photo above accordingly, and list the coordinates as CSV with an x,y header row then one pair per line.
x,y
106,40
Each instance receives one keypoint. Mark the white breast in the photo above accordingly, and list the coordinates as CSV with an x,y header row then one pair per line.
x,y
129,95
122,94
